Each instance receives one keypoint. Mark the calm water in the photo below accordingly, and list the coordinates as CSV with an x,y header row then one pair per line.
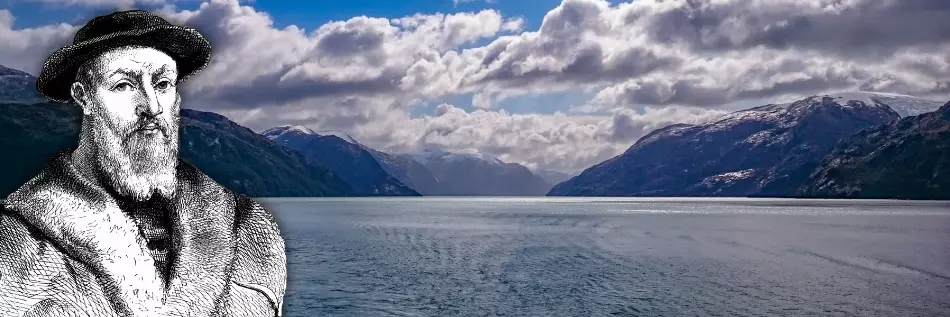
x,y
607,257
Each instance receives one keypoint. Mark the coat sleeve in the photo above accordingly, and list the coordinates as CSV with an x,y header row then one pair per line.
x,y
34,278
259,279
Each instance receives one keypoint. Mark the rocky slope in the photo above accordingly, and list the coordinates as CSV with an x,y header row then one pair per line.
x,y
906,160
408,171
232,155
241,159
342,154
763,151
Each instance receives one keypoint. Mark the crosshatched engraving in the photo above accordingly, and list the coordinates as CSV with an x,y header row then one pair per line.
x,y
119,225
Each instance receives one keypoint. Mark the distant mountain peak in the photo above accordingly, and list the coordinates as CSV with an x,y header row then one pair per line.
x,y
553,177
470,172
904,105
845,98
473,154
277,132
335,150
429,153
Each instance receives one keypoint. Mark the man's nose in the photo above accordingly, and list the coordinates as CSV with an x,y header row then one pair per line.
x,y
149,107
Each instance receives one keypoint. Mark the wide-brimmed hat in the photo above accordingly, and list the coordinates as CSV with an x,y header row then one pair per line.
x,y
190,50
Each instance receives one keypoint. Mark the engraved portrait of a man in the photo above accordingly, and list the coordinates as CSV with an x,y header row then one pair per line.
x,y
119,225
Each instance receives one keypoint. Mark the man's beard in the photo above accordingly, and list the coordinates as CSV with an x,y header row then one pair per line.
x,y
135,163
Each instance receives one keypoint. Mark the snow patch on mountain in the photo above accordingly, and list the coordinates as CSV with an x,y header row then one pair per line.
x,y
759,137
469,154
425,154
726,178
904,105
276,132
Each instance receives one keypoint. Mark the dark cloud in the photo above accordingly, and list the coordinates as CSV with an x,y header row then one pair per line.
x,y
848,28
624,127
586,65
357,36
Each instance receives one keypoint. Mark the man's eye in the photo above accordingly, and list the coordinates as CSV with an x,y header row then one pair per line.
x,y
123,86
164,84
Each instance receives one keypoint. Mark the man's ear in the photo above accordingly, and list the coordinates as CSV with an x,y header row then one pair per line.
x,y
78,91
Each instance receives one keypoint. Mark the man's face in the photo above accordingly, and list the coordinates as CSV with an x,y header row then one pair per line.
x,y
132,111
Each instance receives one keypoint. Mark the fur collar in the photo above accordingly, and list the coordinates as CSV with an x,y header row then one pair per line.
x,y
84,221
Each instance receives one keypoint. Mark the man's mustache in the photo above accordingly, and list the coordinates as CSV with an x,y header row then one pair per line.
x,y
150,123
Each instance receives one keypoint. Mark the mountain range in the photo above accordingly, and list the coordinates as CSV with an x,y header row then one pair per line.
x,y
247,162
343,155
764,151
849,145
431,172
470,173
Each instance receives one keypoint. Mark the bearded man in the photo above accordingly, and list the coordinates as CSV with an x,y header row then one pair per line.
x,y
119,225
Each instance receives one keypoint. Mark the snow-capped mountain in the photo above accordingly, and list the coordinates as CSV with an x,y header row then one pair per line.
x,y
903,104
430,153
290,136
277,132
343,155
766,150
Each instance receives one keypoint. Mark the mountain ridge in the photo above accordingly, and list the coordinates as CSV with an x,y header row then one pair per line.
x,y
749,152
909,159
17,86
347,158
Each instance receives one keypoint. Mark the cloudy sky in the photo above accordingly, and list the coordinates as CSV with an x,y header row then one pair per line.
x,y
557,85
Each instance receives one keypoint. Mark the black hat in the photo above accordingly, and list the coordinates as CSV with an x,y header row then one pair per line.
x,y
190,50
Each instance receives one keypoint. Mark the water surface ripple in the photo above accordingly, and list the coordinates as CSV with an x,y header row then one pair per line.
x,y
614,257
